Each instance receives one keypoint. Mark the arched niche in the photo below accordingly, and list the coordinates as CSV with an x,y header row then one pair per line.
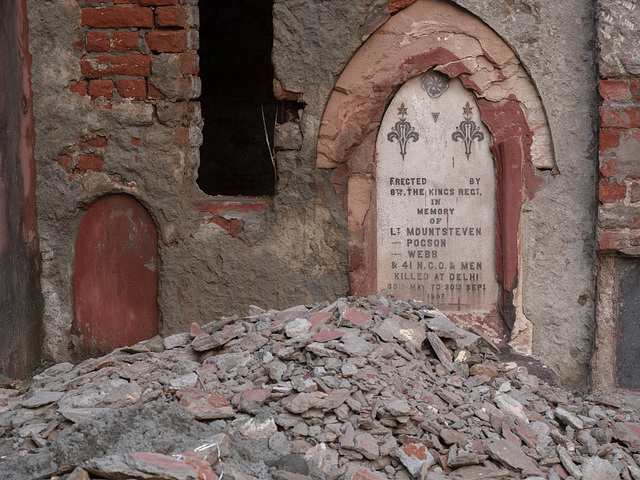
x,y
433,34
116,275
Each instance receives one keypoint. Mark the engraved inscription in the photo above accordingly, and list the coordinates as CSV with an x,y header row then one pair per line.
x,y
436,216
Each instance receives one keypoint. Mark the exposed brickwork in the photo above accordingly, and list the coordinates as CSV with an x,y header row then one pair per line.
x,y
618,191
397,5
119,42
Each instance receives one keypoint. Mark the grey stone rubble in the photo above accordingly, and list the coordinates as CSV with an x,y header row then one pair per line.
x,y
362,388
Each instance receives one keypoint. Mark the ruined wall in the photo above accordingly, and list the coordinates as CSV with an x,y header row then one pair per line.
x,y
20,299
555,42
618,232
115,87
116,105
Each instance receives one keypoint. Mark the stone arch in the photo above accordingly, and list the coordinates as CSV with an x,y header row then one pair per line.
x,y
116,275
434,34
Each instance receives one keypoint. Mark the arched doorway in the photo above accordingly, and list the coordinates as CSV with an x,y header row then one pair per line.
x,y
116,275
438,36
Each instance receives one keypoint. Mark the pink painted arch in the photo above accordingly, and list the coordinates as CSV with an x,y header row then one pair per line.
x,y
436,34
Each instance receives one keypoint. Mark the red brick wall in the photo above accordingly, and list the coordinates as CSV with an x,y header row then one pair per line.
x,y
619,186
119,42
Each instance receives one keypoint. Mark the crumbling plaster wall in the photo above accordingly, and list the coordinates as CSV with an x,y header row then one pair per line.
x,y
216,255
293,248
555,42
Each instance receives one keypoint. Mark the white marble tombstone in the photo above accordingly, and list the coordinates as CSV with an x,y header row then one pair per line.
x,y
436,203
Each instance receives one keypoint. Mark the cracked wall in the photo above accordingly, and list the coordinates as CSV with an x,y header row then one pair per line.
x,y
117,111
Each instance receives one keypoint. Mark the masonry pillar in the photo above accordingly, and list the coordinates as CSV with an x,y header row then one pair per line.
x,y
616,361
20,298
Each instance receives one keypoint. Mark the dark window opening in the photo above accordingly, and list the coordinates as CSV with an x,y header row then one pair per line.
x,y
237,87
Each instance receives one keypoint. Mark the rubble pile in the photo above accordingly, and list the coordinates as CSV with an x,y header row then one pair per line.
x,y
362,388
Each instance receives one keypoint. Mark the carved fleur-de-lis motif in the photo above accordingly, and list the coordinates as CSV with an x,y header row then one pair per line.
x,y
467,130
403,131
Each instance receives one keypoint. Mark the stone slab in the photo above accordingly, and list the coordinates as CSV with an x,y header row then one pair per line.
x,y
436,200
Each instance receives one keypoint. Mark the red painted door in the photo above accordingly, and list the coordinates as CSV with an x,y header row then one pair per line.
x,y
116,275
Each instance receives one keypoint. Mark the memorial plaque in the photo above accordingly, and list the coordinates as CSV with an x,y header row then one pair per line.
x,y
436,203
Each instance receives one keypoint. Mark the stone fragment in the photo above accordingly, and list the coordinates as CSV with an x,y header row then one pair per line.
x,y
481,369
205,405
450,436
596,468
176,340
485,339
257,429
249,400
185,381
367,445
348,370
323,458
568,418
78,474
302,402
511,406
416,459
228,333
354,345
347,439
253,341
482,473
297,327
318,319
276,369
589,444
293,463
627,433
289,315
450,397
568,463
398,408
440,349
135,370
31,429
202,467
161,465
278,443
336,398
463,459
203,342
42,398
358,472
327,335
79,415
404,330
441,325
513,457
355,316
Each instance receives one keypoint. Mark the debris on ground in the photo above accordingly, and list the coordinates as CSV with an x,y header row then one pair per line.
x,y
362,388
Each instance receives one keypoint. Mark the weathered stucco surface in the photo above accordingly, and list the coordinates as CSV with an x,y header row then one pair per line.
x,y
217,258
555,42
287,251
